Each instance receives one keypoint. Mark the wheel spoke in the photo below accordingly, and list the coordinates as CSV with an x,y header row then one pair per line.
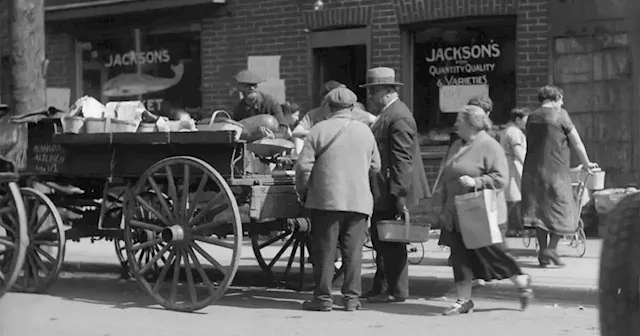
x,y
279,254
292,257
154,211
173,192
146,226
200,270
45,242
44,254
302,262
33,269
164,271
147,244
163,201
7,227
190,283
2,276
39,263
176,275
210,259
184,202
41,220
196,197
7,242
155,259
214,241
44,232
273,240
33,206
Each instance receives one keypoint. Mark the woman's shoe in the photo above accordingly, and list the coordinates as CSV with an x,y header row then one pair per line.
x,y
459,307
553,257
526,294
544,262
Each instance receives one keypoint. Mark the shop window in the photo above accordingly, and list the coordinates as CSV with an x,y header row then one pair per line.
x,y
459,61
162,70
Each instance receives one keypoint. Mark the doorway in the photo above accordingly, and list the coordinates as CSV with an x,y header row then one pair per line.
x,y
346,64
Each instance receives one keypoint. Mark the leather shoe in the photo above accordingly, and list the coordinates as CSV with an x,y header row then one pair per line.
x,y
351,304
385,298
368,294
317,305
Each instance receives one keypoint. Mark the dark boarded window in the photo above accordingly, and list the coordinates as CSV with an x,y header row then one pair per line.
x,y
455,61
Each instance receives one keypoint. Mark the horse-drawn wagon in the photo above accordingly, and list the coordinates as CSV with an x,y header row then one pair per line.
x,y
176,204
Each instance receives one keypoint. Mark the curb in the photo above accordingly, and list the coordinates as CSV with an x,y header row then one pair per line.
x,y
424,287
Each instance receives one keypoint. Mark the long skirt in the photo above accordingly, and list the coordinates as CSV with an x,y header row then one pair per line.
x,y
486,263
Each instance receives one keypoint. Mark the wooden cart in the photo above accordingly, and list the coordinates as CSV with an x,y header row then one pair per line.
x,y
177,206
13,227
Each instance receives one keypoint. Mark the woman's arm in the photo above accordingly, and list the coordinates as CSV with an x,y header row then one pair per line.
x,y
495,167
578,146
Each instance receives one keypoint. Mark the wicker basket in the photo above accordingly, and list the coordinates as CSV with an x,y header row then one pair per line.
x,y
225,125
401,231
72,124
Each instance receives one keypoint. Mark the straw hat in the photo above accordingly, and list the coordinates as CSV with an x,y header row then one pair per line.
x,y
381,76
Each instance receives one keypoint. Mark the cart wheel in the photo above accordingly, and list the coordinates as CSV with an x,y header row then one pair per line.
x,y
145,254
526,237
415,253
581,240
14,238
202,208
45,253
620,270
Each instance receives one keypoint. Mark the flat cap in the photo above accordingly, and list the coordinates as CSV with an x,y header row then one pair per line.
x,y
329,86
248,77
341,98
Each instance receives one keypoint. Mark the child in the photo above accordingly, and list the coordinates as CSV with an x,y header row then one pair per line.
x,y
291,113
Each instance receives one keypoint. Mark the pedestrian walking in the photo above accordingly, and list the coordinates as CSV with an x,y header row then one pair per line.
x,y
514,143
476,161
401,182
548,202
332,180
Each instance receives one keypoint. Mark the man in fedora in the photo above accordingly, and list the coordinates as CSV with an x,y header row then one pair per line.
x,y
401,182
332,181
253,101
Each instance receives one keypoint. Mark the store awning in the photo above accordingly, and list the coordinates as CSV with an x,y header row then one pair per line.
x,y
79,9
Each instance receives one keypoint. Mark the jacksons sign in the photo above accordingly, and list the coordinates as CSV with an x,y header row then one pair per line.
x,y
465,69
139,58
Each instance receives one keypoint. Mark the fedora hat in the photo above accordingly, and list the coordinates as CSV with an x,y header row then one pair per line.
x,y
381,76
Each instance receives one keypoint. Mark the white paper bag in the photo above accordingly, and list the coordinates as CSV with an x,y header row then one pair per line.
x,y
478,214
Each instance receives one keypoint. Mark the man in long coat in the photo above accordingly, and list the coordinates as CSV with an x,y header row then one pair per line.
x,y
401,182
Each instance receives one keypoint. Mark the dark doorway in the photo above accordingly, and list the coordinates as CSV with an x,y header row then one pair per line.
x,y
345,64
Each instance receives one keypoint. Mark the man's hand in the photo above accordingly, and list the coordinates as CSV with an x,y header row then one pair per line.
x,y
401,207
267,133
467,181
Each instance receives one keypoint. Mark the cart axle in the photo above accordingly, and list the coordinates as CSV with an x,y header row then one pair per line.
x,y
172,233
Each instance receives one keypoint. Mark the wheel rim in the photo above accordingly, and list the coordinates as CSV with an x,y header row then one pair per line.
x,y
14,238
202,205
45,253
415,253
581,243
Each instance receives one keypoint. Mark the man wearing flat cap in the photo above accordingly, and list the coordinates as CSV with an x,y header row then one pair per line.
x,y
323,112
400,184
253,101
332,181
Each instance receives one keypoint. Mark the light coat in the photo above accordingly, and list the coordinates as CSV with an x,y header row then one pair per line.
x,y
339,179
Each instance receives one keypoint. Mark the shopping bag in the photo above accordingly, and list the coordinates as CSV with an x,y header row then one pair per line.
x,y
478,214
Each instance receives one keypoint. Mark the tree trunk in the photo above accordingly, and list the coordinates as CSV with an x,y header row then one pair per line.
x,y
27,59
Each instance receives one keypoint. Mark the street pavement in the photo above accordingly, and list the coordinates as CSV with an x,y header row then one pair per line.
x,y
90,299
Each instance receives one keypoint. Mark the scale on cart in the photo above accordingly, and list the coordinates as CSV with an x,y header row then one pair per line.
x,y
274,154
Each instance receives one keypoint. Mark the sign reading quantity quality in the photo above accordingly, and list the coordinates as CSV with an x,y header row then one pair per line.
x,y
463,65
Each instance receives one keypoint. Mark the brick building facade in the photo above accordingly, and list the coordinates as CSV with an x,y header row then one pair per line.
x,y
230,31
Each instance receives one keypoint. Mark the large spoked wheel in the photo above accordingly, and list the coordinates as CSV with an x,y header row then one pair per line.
x,y
14,238
281,253
620,270
45,253
143,255
415,253
197,266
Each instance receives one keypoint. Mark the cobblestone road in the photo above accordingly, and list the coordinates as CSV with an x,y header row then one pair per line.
x,y
101,306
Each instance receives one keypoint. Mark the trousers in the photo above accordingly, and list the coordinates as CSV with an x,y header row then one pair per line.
x,y
392,264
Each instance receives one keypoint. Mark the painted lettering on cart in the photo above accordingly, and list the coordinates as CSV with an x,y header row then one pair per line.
x,y
47,158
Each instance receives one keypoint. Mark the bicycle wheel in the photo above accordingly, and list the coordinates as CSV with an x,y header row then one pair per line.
x,y
415,253
581,240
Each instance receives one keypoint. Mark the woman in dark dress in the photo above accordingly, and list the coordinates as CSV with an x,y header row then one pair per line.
x,y
476,161
548,203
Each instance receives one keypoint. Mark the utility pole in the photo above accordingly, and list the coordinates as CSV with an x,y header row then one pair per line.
x,y
27,62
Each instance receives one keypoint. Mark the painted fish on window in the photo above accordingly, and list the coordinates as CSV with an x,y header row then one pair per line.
x,y
128,84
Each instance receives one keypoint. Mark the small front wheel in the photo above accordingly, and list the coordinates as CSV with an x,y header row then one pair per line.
x,y
415,253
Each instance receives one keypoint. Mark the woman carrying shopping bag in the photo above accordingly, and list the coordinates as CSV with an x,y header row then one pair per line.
x,y
475,168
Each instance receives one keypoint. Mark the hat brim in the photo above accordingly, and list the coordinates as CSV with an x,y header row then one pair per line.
x,y
380,84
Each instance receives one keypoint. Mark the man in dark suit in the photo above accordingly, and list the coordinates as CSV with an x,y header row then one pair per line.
x,y
401,182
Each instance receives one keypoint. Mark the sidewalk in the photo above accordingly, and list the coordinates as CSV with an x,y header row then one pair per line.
x,y
575,284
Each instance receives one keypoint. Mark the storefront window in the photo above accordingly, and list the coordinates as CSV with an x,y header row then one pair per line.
x,y
162,70
453,64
